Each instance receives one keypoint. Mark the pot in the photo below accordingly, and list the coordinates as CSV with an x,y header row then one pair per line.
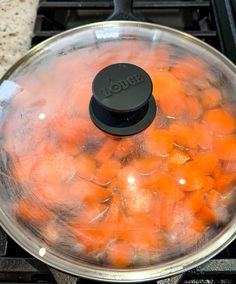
x,y
118,151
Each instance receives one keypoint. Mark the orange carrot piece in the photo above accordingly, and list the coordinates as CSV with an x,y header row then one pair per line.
x,y
160,143
85,166
31,212
147,166
213,199
207,161
210,98
176,158
124,148
56,167
183,135
203,137
195,201
209,184
219,121
188,67
198,226
106,151
225,147
107,171
170,94
207,215
225,183
194,108
189,176
120,254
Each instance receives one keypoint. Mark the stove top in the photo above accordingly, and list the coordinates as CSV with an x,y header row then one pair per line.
x,y
212,21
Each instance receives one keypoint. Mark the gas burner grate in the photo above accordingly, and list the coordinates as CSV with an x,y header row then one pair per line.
x,y
212,21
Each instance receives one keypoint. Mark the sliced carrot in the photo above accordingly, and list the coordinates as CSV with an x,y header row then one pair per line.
x,y
106,151
188,67
140,231
198,225
219,121
161,57
92,213
147,166
169,92
107,171
176,158
22,169
195,201
207,215
120,254
229,166
203,136
225,183
125,147
207,161
194,108
210,98
209,184
225,147
71,149
183,135
85,166
30,211
160,143
56,167
213,199
189,176
72,130
87,192
217,171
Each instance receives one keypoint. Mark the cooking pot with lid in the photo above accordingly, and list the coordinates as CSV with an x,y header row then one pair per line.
x,y
118,150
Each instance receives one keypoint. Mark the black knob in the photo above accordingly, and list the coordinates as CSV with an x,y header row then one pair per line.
x,y
122,103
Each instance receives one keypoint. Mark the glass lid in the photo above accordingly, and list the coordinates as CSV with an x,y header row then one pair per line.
x,y
118,147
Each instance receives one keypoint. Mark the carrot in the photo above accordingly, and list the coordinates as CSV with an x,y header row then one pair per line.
x,y
207,161
169,92
87,192
125,147
161,57
30,211
189,176
160,143
72,130
55,167
176,158
183,135
120,254
198,225
203,137
225,147
207,216
22,169
140,231
92,214
209,184
213,199
219,121
147,166
229,166
85,166
195,201
188,67
107,171
106,151
210,98
225,183
194,108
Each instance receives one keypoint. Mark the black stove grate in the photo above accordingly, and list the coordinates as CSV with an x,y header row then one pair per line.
x,y
212,21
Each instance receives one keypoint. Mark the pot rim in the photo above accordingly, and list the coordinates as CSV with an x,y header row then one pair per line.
x,y
182,264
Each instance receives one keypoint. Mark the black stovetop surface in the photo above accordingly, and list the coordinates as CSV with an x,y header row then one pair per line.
x,y
212,21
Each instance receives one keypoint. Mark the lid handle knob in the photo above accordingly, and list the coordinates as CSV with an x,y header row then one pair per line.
x,y
122,103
